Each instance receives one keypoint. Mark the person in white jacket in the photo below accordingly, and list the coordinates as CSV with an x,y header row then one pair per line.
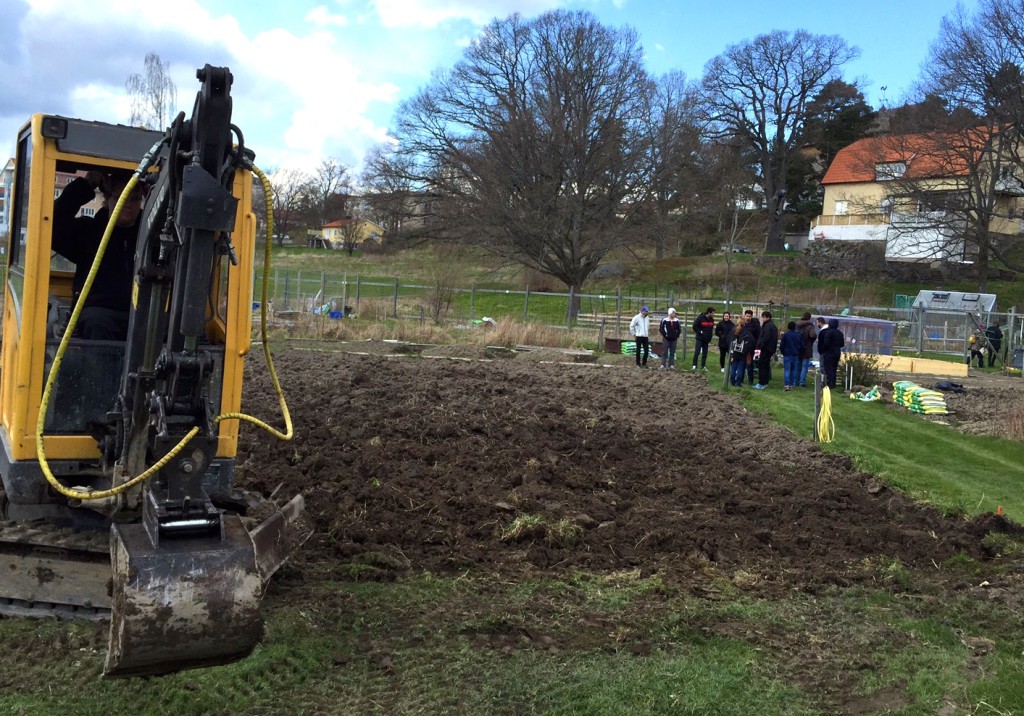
x,y
640,328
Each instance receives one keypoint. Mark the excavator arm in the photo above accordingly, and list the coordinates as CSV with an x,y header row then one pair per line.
x,y
188,561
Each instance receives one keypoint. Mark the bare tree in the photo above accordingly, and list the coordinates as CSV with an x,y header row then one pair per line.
x,y
672,140
326,191
972,136
287,187
154,98
392,198
532,141
759,91
351,233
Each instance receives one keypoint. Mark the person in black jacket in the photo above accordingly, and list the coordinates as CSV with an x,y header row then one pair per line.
x,y
995,339
724,330
105,313
767,344
704,330
830,350
670,330
755,329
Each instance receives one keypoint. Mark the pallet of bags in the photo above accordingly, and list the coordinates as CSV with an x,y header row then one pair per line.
x,y
918,399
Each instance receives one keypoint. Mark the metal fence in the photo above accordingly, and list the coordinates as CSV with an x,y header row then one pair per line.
x,y
607,314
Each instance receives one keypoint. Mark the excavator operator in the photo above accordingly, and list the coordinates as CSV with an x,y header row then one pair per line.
x,y
77,238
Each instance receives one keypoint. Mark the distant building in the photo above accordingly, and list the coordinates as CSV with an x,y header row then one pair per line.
x,y
867,196
343,233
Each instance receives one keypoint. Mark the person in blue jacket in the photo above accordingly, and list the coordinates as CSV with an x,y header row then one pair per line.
x,y
791,345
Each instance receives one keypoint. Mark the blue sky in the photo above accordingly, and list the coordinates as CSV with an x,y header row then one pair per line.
x,y
322,79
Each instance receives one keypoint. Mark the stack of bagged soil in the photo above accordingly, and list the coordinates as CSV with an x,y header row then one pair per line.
x,y
917,399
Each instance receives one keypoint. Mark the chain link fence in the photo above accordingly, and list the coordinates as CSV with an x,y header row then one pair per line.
x,y
607,314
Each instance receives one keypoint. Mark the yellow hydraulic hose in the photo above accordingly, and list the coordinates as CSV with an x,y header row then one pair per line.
x,y
826,428
73,322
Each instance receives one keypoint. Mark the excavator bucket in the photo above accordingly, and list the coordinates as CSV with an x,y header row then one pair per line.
x,y
194,602
186,603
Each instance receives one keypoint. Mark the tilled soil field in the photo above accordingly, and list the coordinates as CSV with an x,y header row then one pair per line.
x,y
445,464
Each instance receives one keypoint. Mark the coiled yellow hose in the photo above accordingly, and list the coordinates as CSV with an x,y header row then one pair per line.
x,y
826,428
73,322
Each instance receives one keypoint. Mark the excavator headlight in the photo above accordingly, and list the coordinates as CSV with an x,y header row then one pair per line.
x,y
55,127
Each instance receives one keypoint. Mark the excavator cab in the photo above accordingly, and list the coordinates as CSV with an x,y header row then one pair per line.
x,y
132,439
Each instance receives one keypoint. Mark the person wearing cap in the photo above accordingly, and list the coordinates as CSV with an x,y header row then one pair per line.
x,y
77,238
670,329
704,329
640,328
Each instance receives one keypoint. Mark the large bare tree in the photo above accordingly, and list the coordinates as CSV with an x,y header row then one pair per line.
x,y
153,95
759,91
533,141
974,75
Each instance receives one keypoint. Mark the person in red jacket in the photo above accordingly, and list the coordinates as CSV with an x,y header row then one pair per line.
x,y
704,329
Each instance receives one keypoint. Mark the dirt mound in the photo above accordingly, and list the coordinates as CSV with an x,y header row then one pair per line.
x,y
448,464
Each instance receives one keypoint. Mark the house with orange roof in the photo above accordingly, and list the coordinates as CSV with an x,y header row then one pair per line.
x,y
913,192
346,233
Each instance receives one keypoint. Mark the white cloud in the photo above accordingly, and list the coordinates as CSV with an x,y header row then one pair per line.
x,y
299,95
322,17
431,13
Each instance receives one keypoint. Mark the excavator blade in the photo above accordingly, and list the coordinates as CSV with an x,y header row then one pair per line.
x,y
187,603
279,535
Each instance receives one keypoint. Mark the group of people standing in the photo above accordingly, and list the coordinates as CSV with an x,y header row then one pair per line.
x,y
747,346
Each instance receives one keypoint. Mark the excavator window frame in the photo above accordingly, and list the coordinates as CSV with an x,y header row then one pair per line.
x,y
18,233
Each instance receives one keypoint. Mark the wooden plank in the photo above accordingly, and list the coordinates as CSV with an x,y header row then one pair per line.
x,y
928,366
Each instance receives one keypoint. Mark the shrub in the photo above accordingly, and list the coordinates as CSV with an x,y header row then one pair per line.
x,y
866,368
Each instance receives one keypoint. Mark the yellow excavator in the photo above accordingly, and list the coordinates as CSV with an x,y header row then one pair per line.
x,y
119,444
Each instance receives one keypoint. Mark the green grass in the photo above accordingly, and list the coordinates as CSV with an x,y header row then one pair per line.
x,y
585,644
932,462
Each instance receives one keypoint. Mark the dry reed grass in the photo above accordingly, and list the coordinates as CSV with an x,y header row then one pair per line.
x,y
1014,427
508,333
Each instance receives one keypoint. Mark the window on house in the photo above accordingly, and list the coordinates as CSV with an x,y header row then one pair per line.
x,y
842,207
890,170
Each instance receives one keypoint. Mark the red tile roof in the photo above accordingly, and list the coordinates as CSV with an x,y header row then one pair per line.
x,y
936,156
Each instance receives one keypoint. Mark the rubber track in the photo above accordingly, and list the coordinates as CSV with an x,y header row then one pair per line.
x,y
58,544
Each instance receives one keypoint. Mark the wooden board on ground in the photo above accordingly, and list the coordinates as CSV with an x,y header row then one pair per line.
x,y
929,366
